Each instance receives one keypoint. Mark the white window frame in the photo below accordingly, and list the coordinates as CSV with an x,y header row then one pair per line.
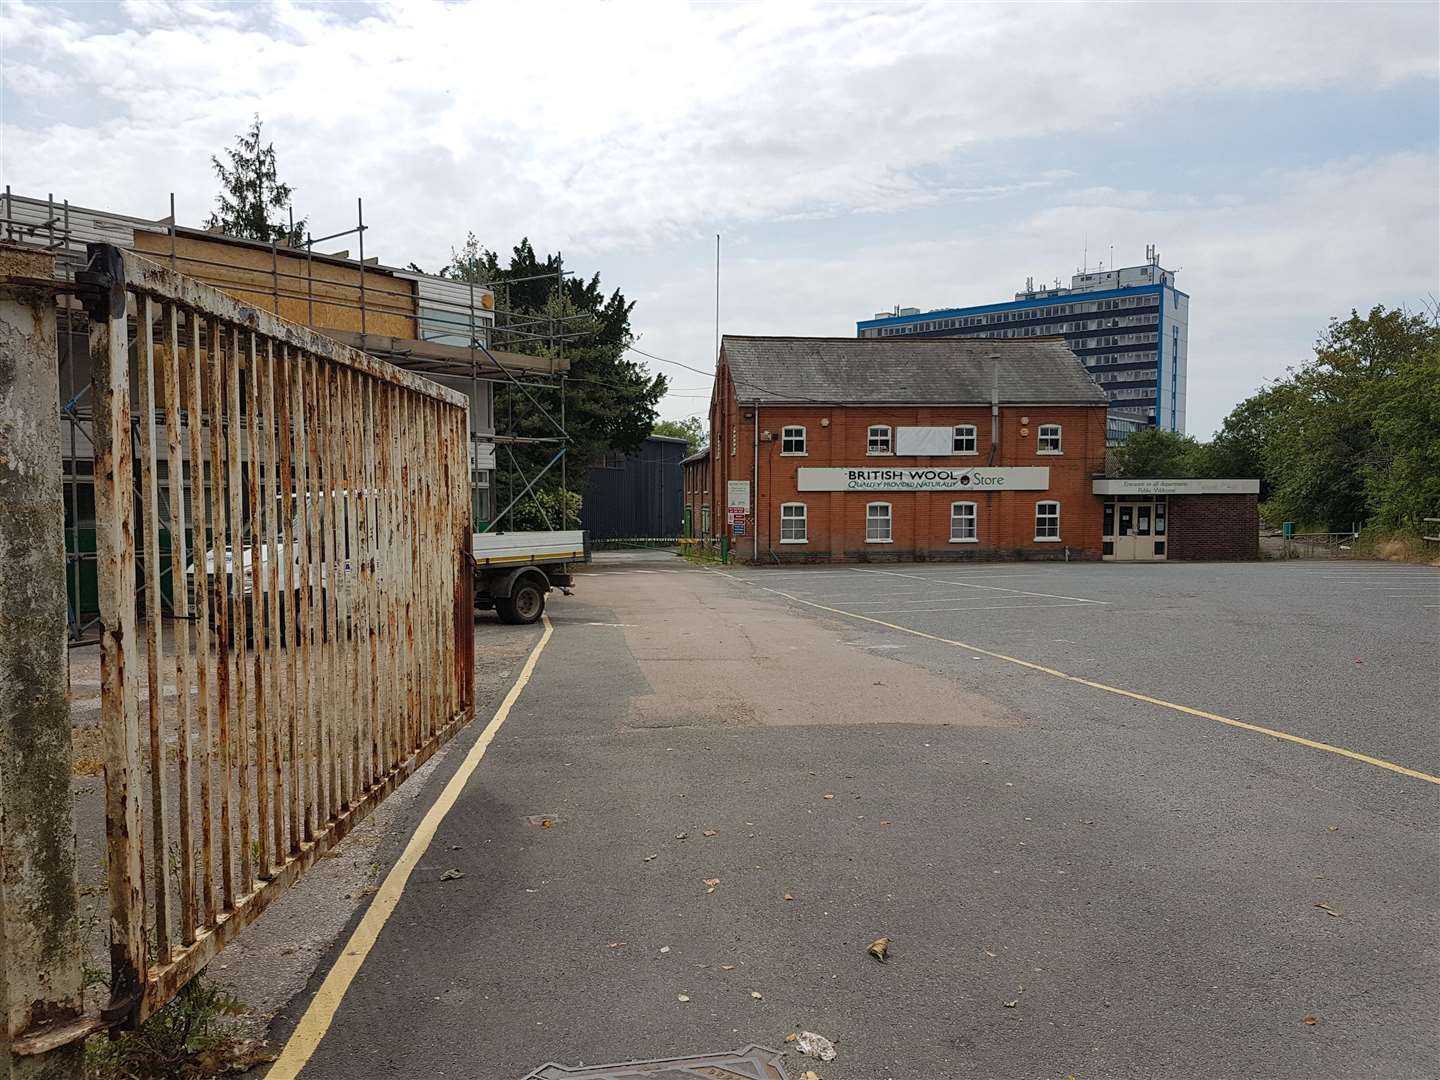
x,y
974,515
787,434
889,519
871,438
1042,434
1047,515
971,432
803,517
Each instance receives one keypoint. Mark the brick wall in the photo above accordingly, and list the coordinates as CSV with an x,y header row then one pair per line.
x,y
836,436
697,494
1214,527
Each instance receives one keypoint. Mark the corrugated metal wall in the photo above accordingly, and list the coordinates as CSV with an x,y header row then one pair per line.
x,y
639,495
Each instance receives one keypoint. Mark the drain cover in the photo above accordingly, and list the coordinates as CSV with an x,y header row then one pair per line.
x,y
751,1063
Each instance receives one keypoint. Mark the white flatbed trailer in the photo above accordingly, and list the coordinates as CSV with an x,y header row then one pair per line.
x,y
515,570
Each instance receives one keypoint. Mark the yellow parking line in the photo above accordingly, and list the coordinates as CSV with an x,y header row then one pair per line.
x,y
1379,763
321,1011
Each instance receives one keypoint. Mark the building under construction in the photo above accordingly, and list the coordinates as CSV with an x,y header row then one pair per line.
x,y
440,327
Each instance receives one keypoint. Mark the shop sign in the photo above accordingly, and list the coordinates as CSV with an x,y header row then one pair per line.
x,y
1177,486
1024,478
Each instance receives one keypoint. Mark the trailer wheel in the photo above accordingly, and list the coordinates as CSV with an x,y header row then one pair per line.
x,y
524,605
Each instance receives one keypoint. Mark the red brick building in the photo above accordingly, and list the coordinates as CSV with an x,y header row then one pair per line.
x,y
855,449
837,449
696,470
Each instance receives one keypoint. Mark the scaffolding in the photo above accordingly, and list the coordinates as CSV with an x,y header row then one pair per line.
x,y
459,336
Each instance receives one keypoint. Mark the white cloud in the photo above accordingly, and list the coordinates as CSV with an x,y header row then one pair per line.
x,y
1264,275
617,125
619,130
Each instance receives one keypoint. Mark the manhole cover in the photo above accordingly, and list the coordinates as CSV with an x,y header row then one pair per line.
x,y
751,1063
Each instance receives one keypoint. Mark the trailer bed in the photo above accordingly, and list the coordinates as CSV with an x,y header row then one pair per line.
x,y
514,548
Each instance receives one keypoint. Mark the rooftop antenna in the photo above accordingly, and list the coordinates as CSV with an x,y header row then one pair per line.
x,y
1085,259
1112,256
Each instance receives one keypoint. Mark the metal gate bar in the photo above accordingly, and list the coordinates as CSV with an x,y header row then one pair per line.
x,y
321,647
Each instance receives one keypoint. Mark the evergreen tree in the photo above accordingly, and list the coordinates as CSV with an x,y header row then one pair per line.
x,y
251,192
610,399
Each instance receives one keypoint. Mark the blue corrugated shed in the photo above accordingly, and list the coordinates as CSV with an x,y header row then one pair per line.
x,y
636,495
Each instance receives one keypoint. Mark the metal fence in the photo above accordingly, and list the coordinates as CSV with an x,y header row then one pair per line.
x,y
306,509
1334,545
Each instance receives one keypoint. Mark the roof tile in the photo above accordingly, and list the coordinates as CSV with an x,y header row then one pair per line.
x,y
917,371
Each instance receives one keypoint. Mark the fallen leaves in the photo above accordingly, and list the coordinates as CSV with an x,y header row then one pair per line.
x,y
682,835
727,967
547,823
787,896
649,858
757,995
1330,911
827,796
1311,1020
616,945
682,997
452,875
879,948
710,883
1012,1004
709,832
809,1074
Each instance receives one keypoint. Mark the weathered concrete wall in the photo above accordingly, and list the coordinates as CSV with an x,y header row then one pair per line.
x,y
40,980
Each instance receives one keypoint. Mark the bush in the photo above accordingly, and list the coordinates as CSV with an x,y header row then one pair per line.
x,y
540,511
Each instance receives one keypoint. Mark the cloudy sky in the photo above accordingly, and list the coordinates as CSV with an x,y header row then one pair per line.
x,y
1283,157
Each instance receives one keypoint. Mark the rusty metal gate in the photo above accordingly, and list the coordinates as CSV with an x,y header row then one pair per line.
x,y
310,506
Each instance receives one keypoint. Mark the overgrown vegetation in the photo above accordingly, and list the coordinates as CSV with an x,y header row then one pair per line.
x,y
195,1035
610,399
1349,437
251,193
542,511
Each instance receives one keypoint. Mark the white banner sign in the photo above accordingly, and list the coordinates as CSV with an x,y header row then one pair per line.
x,y
923,479
924,441
737,498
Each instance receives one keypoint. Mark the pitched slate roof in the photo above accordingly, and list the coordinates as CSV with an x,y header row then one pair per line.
x,y
917,371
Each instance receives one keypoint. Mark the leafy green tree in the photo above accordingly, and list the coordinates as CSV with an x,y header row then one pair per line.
x,y
1351,436
251,193
1238,448
1153,452
1347,442
692,429
610,399
1403,480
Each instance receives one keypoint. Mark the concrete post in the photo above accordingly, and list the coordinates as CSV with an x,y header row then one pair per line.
x,y
40,978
